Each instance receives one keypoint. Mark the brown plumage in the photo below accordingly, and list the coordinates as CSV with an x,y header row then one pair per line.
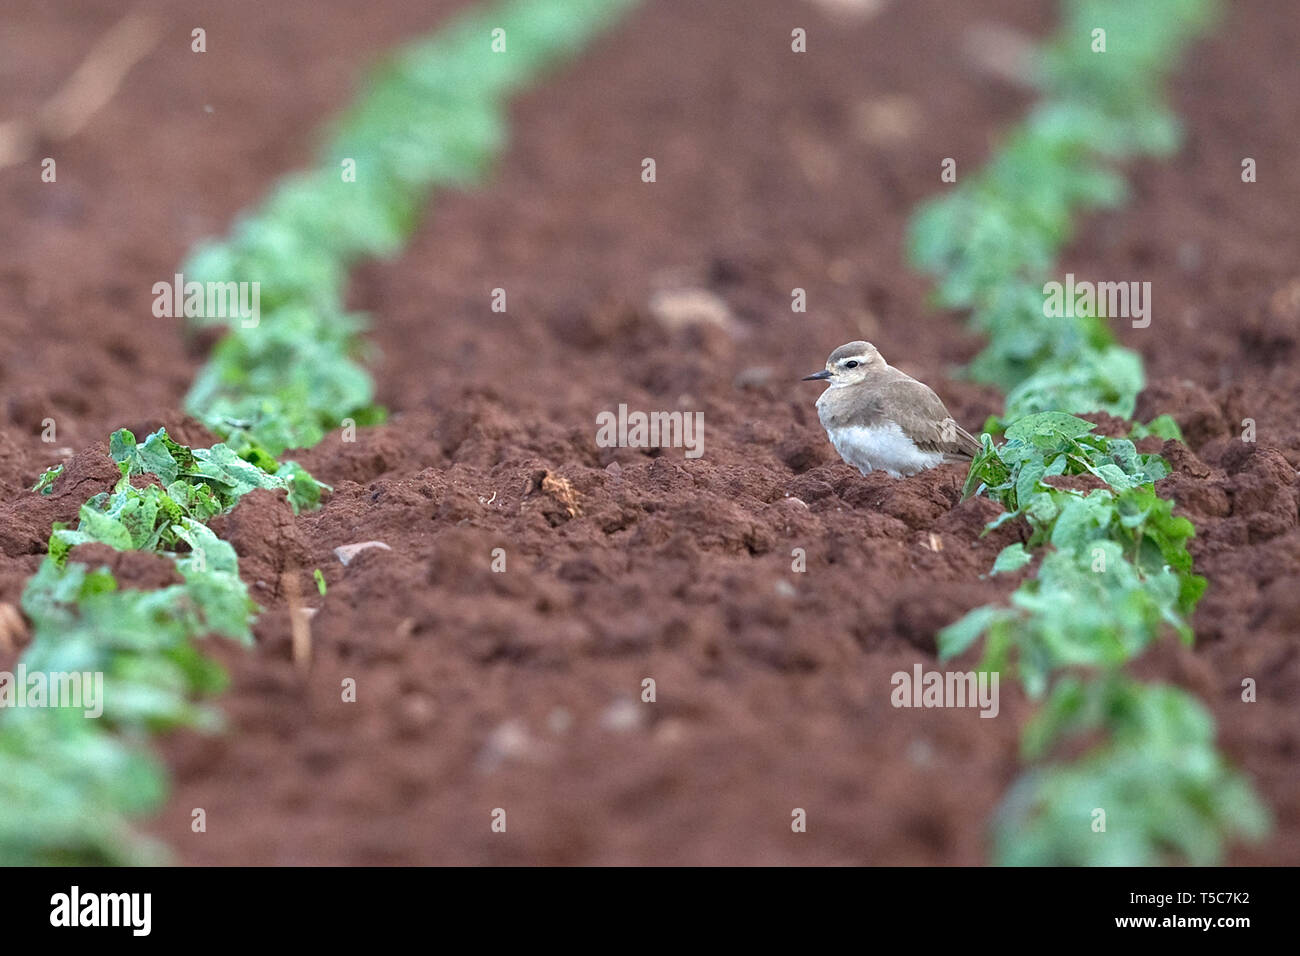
x,y
879,418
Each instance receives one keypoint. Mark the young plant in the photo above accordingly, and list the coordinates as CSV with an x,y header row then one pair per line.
x,y
435,115
1114,570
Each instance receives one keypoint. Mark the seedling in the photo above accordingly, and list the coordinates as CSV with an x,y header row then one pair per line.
x,y
434,116
1113,568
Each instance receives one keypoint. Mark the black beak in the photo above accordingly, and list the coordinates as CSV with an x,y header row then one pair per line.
x,y
816,376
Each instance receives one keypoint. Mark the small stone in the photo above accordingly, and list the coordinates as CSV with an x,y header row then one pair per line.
x,y
669,732
1189,256
346,552
510,741
417,712
622,715
755,376
681,308
920,753
851,9
559,720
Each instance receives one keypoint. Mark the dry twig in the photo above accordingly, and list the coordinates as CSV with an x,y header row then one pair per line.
x,y
84,93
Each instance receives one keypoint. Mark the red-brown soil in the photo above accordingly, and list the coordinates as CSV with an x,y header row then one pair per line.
x,y
521,690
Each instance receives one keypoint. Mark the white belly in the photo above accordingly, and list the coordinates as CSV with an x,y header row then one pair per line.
x,y
882,448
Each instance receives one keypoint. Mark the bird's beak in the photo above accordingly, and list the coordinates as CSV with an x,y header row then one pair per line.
x,y
816,376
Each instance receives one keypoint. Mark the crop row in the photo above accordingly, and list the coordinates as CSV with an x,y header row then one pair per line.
x,y
432,116
1112,568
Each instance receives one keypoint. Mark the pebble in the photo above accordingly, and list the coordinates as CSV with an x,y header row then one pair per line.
x,y
346,552
417,712
622,715
920,753
681,308
510,741
754,376
559,720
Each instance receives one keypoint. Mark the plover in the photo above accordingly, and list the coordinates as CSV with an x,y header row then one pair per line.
x,y
881,419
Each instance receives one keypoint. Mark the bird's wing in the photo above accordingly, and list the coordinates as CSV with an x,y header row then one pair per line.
x,y
840,407
922,416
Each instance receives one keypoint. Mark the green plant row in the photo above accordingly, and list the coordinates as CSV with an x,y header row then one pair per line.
x,y
434,115
1116,571
1113,570
993,242
68,783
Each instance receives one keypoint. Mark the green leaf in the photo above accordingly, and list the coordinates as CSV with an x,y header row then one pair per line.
x,y
961,635
95,526
1045,424
45,484
1012,558
1168,795
1162,426
154,457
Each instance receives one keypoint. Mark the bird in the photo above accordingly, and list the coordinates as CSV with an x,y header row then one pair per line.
x,y
881,419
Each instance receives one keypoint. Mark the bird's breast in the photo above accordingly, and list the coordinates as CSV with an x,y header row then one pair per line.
x,y
882,447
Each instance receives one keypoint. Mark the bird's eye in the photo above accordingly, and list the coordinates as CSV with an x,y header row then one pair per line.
x,y
853,364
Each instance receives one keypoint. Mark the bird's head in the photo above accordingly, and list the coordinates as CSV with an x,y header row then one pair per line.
x,y
849,365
